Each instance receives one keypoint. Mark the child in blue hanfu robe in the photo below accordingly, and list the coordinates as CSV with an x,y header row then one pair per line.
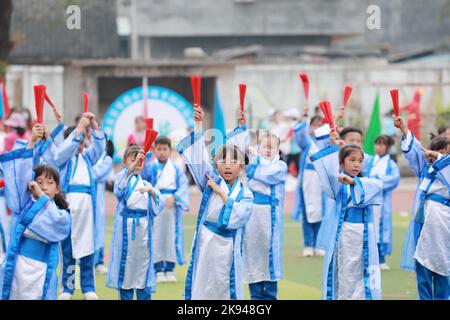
x,y
131,259
42,221
172,183
380,166
101,171
263,233
216,267
310,201
75,163
427,245
351,265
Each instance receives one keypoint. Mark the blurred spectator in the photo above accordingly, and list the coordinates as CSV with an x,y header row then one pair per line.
x,y
389,129
17,129
292,116
138,136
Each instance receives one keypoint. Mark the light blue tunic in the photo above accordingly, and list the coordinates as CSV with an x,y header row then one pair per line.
x,y
387,171
351,265
152,172
131,244
263,234
428,236
101,171
33,250
216,266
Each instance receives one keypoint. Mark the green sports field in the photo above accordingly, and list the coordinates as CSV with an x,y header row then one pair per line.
x,y
302,276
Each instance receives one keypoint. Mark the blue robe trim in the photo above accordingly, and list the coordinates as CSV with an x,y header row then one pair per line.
x,y
16,242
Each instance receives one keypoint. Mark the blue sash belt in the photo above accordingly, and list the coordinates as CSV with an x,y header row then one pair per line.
x,y
35,249
167,191
354,215
79,188
263,199
218,230
136,215
309,166
420,218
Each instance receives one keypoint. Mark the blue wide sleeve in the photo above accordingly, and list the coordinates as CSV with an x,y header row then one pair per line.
x,y
269,172
102,168
51,223
239,137
67,149
17,168
96,149
326,164
193,149
120,185
366,192
412,149
182,193
301,136
390,181
236,212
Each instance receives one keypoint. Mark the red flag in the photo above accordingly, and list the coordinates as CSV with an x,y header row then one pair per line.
x,y
39,98
347,93
196,82
86,102
149,122
242,91
150,137
394,95
325,107
47,98
5,101
305,81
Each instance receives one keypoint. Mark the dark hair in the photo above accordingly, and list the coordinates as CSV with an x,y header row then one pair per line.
x,y
347,150
442,129
50,172
109,147
20,131
438,143
348,130
77,118
163,140
261,134
315,118
386,140
68,131
131,150
29,122
235,152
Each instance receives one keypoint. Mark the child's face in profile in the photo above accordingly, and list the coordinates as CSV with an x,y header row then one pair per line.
x,y
381,149
48,185
353,163
269,147
130,159
162,152
229,168
353,138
